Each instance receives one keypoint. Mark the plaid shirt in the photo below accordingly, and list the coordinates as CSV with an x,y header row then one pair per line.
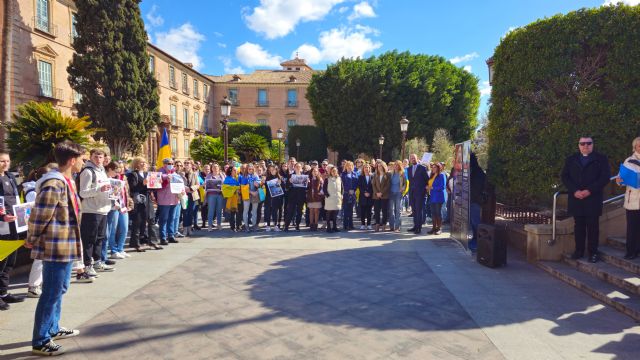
x,y
54,229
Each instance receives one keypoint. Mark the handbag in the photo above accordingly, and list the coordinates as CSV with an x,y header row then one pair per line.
x,y
261,193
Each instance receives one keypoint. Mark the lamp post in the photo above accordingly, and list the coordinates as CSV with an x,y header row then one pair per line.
x,y
298,149
404,125
279,134
225,110
381,142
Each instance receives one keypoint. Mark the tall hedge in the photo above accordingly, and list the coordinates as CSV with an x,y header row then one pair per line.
x,y
313,142
555,80
239,128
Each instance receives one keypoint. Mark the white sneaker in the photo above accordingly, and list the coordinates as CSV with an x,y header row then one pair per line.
x,y
210,228
102,267
116,255
276,229
362,227
124,254
90,271
34,292
267,229
369,227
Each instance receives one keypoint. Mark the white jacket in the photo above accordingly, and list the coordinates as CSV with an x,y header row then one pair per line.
x,y
631,195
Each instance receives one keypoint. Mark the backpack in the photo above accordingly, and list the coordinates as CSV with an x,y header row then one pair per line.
x,y
94,179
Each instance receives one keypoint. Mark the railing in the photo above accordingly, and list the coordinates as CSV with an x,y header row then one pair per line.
x,y
521,215
262,103
291,103
173,84
50,92
553,239
45,25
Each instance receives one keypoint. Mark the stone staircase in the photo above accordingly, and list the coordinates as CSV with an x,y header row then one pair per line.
x,y
613,280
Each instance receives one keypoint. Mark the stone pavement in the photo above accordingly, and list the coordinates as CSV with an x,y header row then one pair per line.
x,y
359,295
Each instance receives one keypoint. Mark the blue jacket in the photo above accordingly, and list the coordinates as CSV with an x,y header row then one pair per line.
x,y
349,181
438,189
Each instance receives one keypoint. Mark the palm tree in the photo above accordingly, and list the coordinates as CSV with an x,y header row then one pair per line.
x,y
251,146
206,149
37,127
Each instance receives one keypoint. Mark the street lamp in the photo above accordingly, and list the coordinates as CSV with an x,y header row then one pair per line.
x,y
298,150
225,110
404,125
490,66
381,142
279,134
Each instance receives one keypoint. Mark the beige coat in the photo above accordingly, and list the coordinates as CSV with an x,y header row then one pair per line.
x,y
631,195
333,187
381,186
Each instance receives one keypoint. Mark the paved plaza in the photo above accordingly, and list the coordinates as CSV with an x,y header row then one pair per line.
x,y
360,295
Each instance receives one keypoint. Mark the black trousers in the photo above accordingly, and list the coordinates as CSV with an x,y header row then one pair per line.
x,y
587,228
142,223
235,219
332,216
275,209
365,214
417,204
92,232
381,206
294,208
633,232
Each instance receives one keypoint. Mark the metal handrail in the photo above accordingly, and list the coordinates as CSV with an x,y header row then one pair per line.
x,y
552,241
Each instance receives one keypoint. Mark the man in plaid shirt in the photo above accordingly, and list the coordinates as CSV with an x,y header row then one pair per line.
x,y
54,237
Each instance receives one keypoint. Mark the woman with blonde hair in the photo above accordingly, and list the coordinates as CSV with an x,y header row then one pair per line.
x,y
349,185
632,204
397,187
333,198
381,186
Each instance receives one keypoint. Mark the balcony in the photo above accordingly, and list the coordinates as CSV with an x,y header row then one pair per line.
x,y
50,92
45,26
173,84
262,103
185,90
196,95
291,103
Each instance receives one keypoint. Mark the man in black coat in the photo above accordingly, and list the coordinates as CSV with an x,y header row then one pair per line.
x,y
418,179
585,174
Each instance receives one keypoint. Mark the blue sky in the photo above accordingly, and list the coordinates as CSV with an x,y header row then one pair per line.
x,y
234,36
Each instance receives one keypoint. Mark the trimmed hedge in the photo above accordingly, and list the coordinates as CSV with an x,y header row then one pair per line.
x,y
555,80
239,128
313,142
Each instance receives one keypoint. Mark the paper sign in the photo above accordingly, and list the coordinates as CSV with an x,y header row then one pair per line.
x,y
154,180
629,177
177,184
299,181
22,213
117,189
274,188
426,158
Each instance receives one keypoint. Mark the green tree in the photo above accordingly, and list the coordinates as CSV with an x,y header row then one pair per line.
x,y
250,146
276,150
356,100
442,148
110,70
555,80
313,142
206,149
416,146
239,128
37,127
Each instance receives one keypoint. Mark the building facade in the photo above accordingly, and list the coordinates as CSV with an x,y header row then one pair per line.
x,y
269,97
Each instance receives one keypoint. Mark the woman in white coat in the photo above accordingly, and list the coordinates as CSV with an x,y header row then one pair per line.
x,y
632,204
333,202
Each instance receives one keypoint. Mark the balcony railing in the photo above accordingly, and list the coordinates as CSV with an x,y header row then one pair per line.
x,y
185,90
196,94
173,84
291,103
50,92
45,25
262,103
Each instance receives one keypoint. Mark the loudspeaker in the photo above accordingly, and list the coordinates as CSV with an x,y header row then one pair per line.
x,y
492,249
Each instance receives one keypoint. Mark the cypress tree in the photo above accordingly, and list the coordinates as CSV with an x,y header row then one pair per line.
x,y
110,70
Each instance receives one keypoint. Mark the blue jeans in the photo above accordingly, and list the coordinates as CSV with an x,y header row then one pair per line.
x,y
395,206
166,221
347,209
117,227
187,217
254,214
176,218
55,282
474,219
216,205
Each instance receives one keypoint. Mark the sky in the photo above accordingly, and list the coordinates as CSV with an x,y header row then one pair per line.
x,y
240,36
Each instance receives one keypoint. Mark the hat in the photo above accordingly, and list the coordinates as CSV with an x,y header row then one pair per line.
x,y
314,162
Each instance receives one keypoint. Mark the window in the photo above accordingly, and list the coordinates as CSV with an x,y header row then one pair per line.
x,y
291,123
205,121
152,63
196,93
196,120
174,114
262,121
233,96
205,92
185,83
186,147
172,77
174,146
74,23
292,98
42,15
185,117
232,120
45,78
77,97
262,97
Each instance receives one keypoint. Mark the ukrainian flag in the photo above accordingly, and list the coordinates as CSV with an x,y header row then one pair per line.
x,y
164,151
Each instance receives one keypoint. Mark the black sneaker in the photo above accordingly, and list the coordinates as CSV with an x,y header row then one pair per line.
x,y
109,262
173,241
84,278
4,305
48,349
64,333
11,299
576,256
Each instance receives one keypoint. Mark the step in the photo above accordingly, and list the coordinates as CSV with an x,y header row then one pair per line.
x,y
621,300
618,242
615,257
607,272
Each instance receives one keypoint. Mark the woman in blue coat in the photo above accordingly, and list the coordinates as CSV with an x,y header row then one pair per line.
x,y
349,184
436,188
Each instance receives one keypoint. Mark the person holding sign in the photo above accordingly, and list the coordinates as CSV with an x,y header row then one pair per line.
x,y
214,199
297,190
143,197
632,203
167,204
275,196
585,174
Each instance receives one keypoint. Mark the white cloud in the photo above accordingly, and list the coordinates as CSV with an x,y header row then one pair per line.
x,y
343,9
154,19
467,68
217,34
464,58
253,55
183,43
337,43
628,2
228,66
485,89
222,45
277,18
362,10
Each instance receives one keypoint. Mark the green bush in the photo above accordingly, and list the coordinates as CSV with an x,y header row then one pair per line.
x,y
239,128
206,149
555,80
313,142
251,147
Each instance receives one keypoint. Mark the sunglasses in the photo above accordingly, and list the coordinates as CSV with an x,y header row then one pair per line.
x,y
169,163
585,143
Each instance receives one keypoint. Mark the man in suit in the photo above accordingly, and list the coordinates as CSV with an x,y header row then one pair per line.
x,y
418,179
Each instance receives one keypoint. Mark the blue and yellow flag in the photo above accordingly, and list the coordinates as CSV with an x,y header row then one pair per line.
x,y
164,151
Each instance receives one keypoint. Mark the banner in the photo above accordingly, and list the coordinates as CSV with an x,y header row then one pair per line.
x,y
461,196
22,213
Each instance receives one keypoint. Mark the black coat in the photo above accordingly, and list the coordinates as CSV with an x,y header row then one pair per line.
x,y
594,176
364,187
417,182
